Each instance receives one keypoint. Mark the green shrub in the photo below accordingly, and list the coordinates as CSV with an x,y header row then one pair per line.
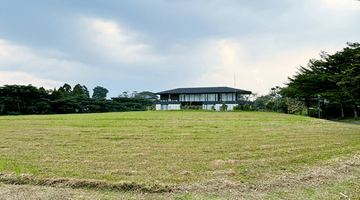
x,y
237,107
247,107
224,106
270,105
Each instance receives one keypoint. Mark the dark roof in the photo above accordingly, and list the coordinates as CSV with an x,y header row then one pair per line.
x,y
204,90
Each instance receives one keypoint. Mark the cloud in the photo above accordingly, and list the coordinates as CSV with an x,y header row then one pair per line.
x,y
22,78
257,75
159,44
342,5
25,65
109,39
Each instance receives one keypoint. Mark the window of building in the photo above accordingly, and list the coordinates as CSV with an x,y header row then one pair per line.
x,y
192,97
212,97
202,97
187,97
196,97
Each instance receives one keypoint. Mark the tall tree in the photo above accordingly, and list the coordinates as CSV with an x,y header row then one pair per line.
x,y
99,92
21,99
81,91
324,77
304,85
65,90
350,83
147,95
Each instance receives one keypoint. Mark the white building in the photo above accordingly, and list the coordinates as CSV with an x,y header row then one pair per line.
x,y
207,97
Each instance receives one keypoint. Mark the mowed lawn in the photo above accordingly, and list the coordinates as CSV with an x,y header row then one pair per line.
x,y
179,149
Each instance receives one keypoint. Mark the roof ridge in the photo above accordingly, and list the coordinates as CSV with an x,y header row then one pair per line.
x,y
222,89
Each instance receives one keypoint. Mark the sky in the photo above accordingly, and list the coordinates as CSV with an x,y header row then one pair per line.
x,y
157,45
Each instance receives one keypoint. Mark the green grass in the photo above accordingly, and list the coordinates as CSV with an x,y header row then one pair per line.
x,y
176,147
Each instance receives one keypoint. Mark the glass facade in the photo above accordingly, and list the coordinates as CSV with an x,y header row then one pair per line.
x,y
207,97
187,97
212,97
227,97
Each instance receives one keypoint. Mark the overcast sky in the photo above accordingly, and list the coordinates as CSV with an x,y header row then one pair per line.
x,y
157,45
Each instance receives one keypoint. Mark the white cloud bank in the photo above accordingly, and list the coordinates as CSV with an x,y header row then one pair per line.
x,y
109,39
21,78
255,75
24,65
342,5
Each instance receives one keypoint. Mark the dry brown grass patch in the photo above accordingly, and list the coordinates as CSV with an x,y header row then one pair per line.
x,y
315,177
224,172
186,173
7,149
224,162
186,134
136,154
26,179
124,172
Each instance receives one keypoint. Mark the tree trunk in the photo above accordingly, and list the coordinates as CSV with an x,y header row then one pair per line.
x,y
342,111
308,111
288,111
307,104
355,112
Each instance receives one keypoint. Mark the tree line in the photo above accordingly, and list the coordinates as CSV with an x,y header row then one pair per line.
x,y
334,79
21,99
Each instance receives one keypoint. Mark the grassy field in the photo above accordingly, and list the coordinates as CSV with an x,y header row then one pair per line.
x,y
182,155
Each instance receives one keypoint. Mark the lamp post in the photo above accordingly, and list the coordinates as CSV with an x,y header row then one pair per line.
x,y
319,96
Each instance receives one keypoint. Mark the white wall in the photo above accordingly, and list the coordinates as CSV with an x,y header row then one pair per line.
x,y
158,106
217,107
230,106
207,106
168,107
174,106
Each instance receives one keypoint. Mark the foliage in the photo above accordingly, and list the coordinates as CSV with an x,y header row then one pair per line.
x,y
18,99
153,107
270,105
224,106
247,107
278,100
237,107
191,107
295,106
334,77
259,103
99,92
147,95
81,91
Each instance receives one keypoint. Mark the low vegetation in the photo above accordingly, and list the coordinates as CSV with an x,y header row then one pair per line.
x,y
182,154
